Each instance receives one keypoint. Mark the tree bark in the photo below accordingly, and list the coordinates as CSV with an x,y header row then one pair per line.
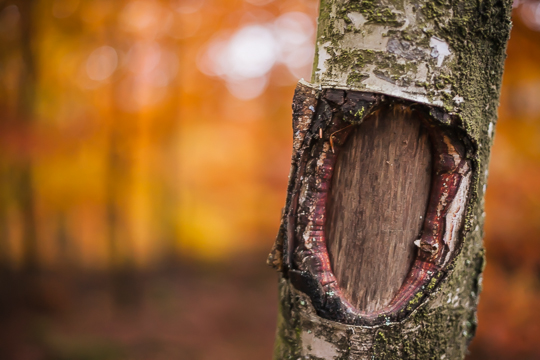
x,y
380,245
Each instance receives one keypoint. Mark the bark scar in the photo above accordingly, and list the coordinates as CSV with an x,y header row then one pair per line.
x,y
301,246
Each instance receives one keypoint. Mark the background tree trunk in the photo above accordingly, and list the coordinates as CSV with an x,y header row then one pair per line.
x,y
22,176
362,290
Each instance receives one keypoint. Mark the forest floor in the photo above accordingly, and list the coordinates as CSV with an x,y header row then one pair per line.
x,y
189,311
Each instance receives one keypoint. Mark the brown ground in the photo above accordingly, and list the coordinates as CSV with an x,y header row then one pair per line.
x,y
189,311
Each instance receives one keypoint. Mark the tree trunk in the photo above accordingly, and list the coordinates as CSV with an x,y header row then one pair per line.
x,y
22,171
380,246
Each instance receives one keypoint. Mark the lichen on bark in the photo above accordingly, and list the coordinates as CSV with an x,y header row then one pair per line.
x,y
432,49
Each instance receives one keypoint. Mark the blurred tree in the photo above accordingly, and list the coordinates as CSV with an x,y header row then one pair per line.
x,y
414,86
21,173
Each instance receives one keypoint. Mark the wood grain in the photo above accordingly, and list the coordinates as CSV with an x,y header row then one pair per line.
x,y
377,202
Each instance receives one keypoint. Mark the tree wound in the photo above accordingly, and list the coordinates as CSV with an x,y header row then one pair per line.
x,y
354,271
376,206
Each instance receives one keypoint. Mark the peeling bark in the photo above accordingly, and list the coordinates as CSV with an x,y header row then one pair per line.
x,y
441,64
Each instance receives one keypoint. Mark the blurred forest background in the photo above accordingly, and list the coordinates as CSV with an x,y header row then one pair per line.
x,y
144,154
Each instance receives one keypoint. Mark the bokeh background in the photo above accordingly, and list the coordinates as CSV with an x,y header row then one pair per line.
x,y
144,154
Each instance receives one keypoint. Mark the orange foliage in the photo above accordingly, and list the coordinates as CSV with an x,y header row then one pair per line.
x,y
125,126
144,141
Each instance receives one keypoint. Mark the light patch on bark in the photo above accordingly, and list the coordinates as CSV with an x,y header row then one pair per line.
x,y
442,203
455,215
320,160
367,40
323,56
458,100
440,49
318,347
303,193
376,84
357,19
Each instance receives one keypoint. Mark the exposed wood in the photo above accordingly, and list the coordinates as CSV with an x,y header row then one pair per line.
x,y
377,204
